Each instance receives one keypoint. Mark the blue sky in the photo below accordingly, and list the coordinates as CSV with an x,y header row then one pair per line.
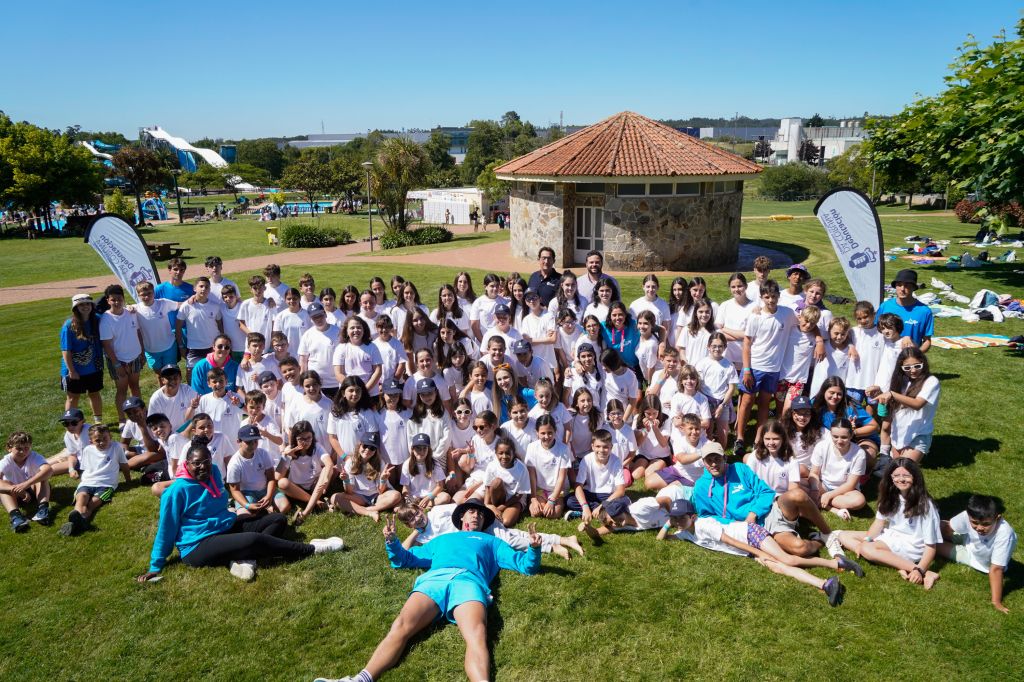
x,y
251,69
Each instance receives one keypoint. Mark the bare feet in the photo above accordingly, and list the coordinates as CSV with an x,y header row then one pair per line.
x,y
572,543
298,517
844,514
905,574
560,551
375,515
930,578
590,531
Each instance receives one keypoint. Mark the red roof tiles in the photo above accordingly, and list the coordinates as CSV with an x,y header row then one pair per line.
x,y
628,145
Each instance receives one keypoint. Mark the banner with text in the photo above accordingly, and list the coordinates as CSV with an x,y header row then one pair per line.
x,y
856,233
124,250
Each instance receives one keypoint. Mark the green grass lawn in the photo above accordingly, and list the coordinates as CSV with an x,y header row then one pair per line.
x,y
632,609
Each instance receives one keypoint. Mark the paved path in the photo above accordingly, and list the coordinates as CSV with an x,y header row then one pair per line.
x,y
493,256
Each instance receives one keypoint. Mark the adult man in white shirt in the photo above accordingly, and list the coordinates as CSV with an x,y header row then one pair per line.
x,y
595,271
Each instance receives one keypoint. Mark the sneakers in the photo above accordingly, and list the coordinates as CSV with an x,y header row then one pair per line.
x,y
347,678
834,590
19,524
76,523
739,448
42,515
850,566
570,515
324,545
243,570
831,542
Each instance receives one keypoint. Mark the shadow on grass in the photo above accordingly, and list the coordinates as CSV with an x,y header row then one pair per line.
x,y
950,451
998,274
944,376
795,251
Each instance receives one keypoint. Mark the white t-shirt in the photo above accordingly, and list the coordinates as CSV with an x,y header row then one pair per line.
x,y
658,306
623,387
510,336
409,390
419,485
350,427
245,379
277,292
694,346
908,423
778,474
157,334
318,346
916,532
173,407
836,468
869,344
834,365
292,325
769,334
732,315
15,473
516,479
595,308
690,404
480,401
647,355
548,463
682,446
175,446
231,328
304,471
649,514
581,433
482,310
887,363
123,330
567,342
200,321
101,468
75,444
716,377
788,300
249,473
216,288
538,369
391,353
394,443
539,328
796,360
523,437
600,478
315,413
801,452
269,424
571,304
227,417
461,322
361,482
623,441
649,448
985,551
258,317
559,414
220,448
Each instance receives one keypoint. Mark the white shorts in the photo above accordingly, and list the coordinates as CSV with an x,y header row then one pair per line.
x,y
901,544
708,534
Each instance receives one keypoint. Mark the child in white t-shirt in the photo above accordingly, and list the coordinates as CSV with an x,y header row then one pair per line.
x,y
689,399
304,472
906,529
912,399
599,478
796,359
837,464
838,354
250,478
669,509
24,478
623,439
549,463
422,478
225,407
174,445
647,347
718,382
687,465
620,381
99,465
869,343
653,431
981,538
506,483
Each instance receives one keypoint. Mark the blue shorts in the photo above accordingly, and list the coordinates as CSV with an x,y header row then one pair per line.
x,y
102,493
449,588
163,358
764,382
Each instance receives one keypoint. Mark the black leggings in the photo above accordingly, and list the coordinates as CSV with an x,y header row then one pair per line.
x,y
257,538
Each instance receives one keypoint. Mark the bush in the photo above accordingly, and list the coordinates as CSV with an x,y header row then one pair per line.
x,y
299,236
794,181
118,204
967,211
429,234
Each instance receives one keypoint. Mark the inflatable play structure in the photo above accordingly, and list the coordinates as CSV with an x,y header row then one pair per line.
x,y
153,209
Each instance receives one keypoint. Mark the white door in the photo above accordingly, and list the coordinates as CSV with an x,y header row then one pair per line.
x,y
589,232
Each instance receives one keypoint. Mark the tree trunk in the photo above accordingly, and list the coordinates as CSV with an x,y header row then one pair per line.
x,y
910,201
138,203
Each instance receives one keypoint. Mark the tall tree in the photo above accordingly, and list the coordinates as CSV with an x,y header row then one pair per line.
x,y
815,121
142,168
808,152
238,173
853,168
346,176
401,165
310,175
437,150
262,153
898,148
204,177
494,189
486,143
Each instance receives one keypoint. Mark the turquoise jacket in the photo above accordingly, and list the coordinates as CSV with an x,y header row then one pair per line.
x,y
746,493
190,510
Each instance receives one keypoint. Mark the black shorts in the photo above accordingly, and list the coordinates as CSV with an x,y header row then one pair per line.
x,y
85,383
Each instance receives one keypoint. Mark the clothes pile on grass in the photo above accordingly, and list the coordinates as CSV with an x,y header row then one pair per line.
x,y
985,305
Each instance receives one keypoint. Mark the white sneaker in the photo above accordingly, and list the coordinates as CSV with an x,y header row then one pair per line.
x,y
347,678
243,570
831,542
324,545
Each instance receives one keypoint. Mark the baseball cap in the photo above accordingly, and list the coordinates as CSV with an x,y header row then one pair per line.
x,y
680,508
521,346
133,402
711,448
249,432
800,403
502,309
588,347
81,298
169,369
530,293
393,386
72,415
266,376
797,266
421,439
370,439
315,308
425,385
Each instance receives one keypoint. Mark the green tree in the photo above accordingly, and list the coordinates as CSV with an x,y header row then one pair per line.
x,y
793,181
310,175
116,203
437,151
852,168
485,144
763,149
815,121
401,165
899,149
142,169
236,173
262,153
494,189
347,176
450,177
204,177
808,152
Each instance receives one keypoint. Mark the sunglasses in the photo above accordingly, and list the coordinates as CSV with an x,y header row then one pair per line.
x,y
916,365
463,412
69,424
221,346
480,427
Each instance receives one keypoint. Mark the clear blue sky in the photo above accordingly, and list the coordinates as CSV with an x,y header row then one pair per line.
x,y
250,69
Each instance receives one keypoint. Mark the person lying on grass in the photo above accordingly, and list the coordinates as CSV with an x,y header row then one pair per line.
x,y
456,586
194,517
670,508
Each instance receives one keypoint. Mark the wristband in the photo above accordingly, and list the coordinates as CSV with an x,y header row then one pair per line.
x,y
667,526
919,570
430,496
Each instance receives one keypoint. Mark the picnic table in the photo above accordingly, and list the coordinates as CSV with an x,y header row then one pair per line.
x,y
166,250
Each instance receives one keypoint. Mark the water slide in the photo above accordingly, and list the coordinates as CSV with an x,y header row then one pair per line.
x,y
96,152
155,135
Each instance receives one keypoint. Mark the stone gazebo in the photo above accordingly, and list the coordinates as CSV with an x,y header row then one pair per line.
x,y
646,195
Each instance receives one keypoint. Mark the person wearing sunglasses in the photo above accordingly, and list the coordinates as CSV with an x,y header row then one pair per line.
x,y
219,357
912,399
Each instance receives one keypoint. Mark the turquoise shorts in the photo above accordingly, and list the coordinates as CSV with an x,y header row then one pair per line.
x,y
449,588
156,361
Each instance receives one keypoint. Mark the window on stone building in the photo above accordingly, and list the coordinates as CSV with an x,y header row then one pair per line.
x,y
660,188
590,188
688,189
632,189
546,187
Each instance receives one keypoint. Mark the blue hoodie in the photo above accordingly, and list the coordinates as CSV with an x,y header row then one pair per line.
x,y
190,510
746,493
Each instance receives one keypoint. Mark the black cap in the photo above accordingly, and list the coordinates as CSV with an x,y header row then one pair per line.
x,y
315,308
521,346
906,276
472,503
72,415
133,402
800,403
370,439
249,432
170,370
502,309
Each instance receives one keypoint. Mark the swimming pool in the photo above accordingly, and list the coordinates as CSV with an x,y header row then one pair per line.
x,y
304,206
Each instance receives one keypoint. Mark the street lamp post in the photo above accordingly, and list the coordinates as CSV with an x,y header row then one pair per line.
x,y
369,213
177,193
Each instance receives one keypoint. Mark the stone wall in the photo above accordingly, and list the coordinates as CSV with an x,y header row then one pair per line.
x,y
537,220
671,233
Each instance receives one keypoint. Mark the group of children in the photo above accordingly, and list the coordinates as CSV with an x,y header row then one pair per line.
x,y
553,408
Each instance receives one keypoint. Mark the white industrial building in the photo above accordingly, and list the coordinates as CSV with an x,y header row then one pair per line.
x,y
835,139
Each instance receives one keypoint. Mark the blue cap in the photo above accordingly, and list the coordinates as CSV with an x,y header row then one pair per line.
x,y
521,346
265,376
421,439
502,309
133,403
169,369
680,508
425,386
315,308
248,433
72,415
393,386
370,439
800,403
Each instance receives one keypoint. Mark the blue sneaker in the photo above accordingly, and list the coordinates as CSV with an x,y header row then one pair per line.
x,y
19,524
570,515
42,515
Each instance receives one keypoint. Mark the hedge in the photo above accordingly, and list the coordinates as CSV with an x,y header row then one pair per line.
x,y
429,234
300,236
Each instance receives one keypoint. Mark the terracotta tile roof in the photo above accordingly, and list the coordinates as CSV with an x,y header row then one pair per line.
x,y
628,145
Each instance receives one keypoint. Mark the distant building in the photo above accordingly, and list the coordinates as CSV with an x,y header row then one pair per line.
x,y
835,139
745,133
646,195
458,139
